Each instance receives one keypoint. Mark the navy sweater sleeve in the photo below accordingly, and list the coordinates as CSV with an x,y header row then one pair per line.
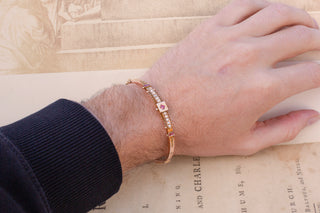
x,y
59,159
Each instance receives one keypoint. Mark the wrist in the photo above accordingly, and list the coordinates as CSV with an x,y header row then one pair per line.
x,y
133,124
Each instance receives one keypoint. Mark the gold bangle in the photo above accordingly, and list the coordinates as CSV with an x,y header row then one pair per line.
x,y
163,110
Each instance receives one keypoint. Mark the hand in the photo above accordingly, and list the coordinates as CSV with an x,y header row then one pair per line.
x,y
217,82
220,79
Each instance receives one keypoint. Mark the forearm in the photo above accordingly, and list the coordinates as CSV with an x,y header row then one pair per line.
x,y
130,118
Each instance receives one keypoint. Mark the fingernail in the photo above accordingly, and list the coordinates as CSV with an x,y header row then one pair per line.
x,y
313,120
316,23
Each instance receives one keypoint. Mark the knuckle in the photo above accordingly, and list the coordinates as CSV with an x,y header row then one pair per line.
x,y
244,53
208,31
291,134
303,33
292,131
281,10
265,82
267,91
263,88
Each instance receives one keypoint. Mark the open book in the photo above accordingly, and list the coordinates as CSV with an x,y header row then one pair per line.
x,y
280,179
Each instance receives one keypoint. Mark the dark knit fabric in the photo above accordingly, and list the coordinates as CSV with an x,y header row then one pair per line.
x,y
20,190
70,154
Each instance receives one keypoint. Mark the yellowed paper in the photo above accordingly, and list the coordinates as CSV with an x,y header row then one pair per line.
x,y
280,179
40,36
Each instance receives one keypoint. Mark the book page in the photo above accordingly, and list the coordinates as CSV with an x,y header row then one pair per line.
x,y
279,179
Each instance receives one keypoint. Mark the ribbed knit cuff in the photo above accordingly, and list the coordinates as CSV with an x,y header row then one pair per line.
x,y
70,153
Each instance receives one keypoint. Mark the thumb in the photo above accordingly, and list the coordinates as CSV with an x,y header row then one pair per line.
x,y
282,128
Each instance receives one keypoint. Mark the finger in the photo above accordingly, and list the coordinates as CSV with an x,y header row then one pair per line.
x,y
281,129
238,10
296,78
274,17
289,42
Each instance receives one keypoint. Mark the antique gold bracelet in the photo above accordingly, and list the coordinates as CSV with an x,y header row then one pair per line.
x,y
162,107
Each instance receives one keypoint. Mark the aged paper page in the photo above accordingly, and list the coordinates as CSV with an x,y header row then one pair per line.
x,y
280,179
88,35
